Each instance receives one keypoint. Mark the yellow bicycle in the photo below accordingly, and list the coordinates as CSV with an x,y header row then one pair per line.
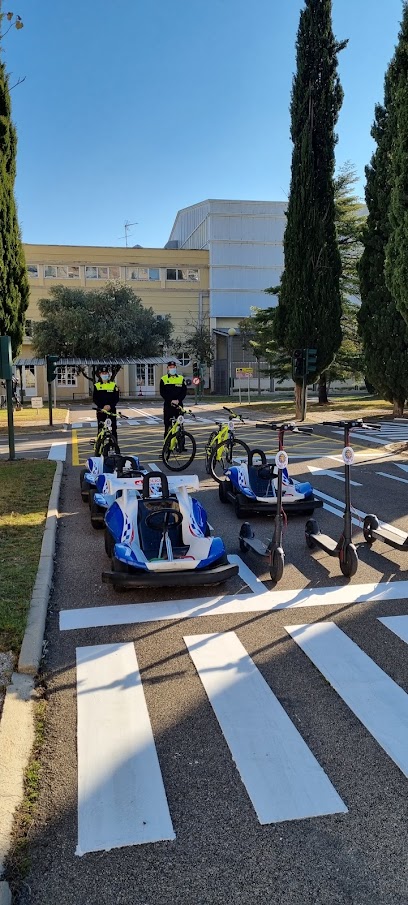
x,y
179,447
222,446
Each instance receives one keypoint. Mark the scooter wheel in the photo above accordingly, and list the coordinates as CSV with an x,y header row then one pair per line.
x,y
277,564
311,528
243,546
349,561
370,524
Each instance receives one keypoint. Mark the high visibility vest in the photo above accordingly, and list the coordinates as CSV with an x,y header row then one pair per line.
x,y
110,387
175,379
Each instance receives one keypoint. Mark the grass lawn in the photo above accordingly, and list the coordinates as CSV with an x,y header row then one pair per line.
x,y
339,407
32,418
25,487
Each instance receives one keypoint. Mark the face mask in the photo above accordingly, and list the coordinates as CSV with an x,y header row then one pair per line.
x,y
104,378
172,371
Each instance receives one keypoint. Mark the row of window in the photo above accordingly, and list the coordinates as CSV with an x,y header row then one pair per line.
x,y
67,376
71,272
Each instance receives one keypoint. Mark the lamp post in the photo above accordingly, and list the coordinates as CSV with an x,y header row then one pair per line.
x,y
231,333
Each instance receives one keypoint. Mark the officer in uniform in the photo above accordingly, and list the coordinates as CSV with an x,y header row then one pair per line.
x,y
105,397
173,389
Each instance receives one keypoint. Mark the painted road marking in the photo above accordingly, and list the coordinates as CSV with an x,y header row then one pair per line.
x,y
393,477
121,796
74,446
375,699
398,625
282,777
331,474
163,610
58,452
359,512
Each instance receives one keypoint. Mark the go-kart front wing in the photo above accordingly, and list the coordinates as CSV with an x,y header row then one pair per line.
x,y
136,578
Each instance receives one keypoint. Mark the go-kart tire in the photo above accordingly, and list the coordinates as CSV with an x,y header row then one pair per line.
x,y
82,474
277,564
91,494
208,450
223,489
219,466
118,566
240,513
84,491
169,457
109,543
370,524
349,561
311,527
96,511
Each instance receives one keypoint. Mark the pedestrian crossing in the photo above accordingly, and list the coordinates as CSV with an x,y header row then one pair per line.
x,y
122,797
391,432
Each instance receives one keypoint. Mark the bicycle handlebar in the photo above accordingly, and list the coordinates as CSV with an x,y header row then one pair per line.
x,y
285,426
233,414
358,422
111,414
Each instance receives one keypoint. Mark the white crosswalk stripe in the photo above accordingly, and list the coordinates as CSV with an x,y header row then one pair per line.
x,y
391,432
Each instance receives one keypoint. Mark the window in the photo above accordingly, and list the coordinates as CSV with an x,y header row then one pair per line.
x,y
28,328
184,359
32,270
61,272
142,273
150,375
66,376
190,274
101,272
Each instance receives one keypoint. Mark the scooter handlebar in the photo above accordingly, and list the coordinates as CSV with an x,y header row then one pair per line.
x,y
357,423
286,426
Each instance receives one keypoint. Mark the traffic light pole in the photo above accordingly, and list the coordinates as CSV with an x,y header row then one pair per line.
x,y
49,405
304,398
10,420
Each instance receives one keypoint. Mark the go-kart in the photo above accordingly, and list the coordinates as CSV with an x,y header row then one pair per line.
x,y
162,537
252,488
98,465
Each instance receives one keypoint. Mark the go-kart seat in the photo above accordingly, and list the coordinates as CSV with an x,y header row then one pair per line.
x,y
261,480
149,538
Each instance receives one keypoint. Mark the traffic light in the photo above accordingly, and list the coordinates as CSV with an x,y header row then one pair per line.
x,y
298,364
5,358
196,369
51,367
311,361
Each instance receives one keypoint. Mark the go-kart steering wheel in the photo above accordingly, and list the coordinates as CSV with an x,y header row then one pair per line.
x,y
266,471
157,520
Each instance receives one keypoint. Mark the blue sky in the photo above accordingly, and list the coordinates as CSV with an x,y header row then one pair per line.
x,y
133,109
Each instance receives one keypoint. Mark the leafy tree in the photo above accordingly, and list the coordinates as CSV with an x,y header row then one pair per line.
x,y
309,308
197,341
108,322
14,290
258,334
396,262
382,328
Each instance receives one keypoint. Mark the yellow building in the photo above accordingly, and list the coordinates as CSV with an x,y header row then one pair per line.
x,y
171,281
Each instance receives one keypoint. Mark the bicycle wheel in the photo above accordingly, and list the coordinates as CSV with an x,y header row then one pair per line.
x,y
209,449
223,456
110,447
182,455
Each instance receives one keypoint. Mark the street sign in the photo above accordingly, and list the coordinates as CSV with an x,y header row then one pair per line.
x,y
36,402
244,373
196,381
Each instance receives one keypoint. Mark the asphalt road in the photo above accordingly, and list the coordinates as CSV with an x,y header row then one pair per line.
x,y
223,851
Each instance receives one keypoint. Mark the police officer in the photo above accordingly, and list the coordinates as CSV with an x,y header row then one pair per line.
x,y
105,397
173,389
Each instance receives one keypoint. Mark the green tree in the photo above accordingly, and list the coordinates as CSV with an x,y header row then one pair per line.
x,y
309,308
382,328
108,322
396,254
14,290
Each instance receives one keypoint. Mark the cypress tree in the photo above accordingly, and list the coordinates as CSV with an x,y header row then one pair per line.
x,y
309,309
381,326
396,262
14,290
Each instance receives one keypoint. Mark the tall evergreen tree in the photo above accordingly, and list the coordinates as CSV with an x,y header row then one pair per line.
x,y
396,256
309,309
14,290
381,326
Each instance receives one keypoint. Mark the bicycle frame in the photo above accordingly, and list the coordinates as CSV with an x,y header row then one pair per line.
x,y
177,427
226,433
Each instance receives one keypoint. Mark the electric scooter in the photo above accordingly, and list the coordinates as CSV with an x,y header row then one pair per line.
x,y
372,531
274,551
344,547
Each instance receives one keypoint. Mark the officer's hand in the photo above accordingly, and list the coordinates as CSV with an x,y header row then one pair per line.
x,y
174,402
106,408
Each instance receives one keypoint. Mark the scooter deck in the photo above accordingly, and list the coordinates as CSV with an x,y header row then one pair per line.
x,y
325,541
256,545
399,541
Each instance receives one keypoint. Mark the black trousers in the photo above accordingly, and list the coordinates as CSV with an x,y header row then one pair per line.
x,y
102,416
169,411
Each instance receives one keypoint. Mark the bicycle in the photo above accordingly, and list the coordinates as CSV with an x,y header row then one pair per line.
x,y
106,443
222,445
16,401
179,447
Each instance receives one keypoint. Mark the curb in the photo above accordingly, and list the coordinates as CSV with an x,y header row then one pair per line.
x,y
17,720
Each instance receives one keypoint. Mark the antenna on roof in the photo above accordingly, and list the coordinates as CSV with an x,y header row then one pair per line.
x,y
127,226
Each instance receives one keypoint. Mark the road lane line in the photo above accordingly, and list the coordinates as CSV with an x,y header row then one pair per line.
x,y
375,699
282,777
74,447
121,796
398,625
